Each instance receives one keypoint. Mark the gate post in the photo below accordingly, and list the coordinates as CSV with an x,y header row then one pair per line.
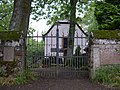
x,y
57,47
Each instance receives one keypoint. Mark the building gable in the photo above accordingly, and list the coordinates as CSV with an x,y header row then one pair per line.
x,y
62,25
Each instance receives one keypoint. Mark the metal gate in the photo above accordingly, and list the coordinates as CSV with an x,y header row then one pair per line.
x,y
46,57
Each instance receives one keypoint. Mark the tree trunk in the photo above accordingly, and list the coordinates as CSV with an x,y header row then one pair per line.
x,y
72,27
20,21
20,15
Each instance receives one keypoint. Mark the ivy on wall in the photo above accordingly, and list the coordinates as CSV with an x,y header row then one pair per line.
x,y
9,35
106,34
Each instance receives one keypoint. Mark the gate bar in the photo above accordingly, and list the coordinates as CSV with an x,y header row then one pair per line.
x,y
57,46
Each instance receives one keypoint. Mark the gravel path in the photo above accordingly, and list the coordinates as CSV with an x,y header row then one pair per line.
x,y
58,84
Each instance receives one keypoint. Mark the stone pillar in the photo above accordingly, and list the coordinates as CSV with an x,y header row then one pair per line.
x,y
95,58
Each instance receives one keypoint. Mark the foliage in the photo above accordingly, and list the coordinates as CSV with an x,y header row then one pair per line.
x,y
24,77
114,2
3,71
31,31
89,21
108,75
10,80
54,10
77,51
8,68
6,7
20,78
35,51
108,15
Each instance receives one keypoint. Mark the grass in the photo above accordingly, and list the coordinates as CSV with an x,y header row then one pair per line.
x,y
10,80
20,78
24,77
108,75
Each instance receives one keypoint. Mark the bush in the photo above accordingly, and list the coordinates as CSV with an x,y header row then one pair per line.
x,y
108,75
10,73
24,77
8,68
20,78
10,80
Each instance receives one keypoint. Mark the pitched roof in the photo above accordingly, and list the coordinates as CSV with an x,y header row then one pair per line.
x,y
63,22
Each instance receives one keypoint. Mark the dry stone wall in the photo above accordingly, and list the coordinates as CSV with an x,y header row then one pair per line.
x,y
103,54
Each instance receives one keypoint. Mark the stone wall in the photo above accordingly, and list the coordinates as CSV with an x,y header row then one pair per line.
x,y
10,50
102,54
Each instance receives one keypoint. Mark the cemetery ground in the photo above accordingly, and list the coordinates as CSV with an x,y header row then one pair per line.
x,y
58,84
61,83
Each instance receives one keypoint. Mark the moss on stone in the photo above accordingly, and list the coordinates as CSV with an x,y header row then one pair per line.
x,y
9,35
106,34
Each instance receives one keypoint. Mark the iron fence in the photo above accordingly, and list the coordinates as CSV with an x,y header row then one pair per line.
x,y
48,55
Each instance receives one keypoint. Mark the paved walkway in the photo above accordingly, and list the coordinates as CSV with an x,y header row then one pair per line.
x,y
59,84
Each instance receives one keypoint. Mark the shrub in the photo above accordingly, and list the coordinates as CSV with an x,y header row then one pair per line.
x,y
20,78
3,70
24,77
10,73
8,68
10,80
108,75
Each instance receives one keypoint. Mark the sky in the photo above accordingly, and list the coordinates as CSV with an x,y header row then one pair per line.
x,y
39,26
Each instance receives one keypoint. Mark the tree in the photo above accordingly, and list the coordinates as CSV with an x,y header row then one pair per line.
x,y
72,27
61,9
89,21
54,10
20,16
108,14
20,21
6,7
114,2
